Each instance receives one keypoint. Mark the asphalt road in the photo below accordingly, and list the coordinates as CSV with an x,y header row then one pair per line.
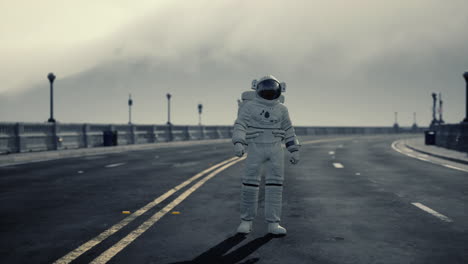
x,y
353,200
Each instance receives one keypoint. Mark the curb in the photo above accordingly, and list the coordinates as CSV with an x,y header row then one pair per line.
x,y
437,156
30,157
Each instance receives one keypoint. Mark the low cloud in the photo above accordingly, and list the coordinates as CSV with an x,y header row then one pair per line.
x,y
357,62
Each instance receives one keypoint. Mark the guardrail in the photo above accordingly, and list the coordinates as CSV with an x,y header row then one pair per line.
x,y
452,136
29,137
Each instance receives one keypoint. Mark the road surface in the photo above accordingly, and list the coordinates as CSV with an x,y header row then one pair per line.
x,y
349,200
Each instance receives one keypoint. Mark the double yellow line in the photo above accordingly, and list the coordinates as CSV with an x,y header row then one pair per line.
x,y
325,140
127,240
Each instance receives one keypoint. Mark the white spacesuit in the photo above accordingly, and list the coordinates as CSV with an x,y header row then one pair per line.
x,y
262,124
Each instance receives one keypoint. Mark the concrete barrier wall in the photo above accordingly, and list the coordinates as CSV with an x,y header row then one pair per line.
x,y
29,137
452,136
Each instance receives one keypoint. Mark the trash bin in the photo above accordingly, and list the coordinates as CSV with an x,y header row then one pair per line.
x,y
430,137
110,138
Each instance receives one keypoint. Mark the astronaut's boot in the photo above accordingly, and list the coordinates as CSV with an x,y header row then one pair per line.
x,y
276,229
245,227
273,197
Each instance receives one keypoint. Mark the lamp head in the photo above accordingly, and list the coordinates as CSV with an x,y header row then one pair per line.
x,y
51,77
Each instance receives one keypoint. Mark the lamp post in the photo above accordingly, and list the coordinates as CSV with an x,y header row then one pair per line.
x,y
441,120
465,75
51,78
130,103
434,103
168,95
415,125
395,126
200,108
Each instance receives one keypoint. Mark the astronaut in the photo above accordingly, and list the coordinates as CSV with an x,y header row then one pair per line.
x,y
262,124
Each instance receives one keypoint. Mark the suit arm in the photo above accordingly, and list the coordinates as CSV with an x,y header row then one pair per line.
x,y
241,124
290,138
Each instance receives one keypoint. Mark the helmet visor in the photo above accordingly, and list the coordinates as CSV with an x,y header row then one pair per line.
x,y
269,89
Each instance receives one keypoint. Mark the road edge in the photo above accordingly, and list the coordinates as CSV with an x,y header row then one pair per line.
x,y
31,157
435,155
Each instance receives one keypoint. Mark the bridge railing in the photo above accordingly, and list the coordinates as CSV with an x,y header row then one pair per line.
x,y
28,137
452,136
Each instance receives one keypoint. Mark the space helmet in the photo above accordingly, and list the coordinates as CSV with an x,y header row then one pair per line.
x,y
268,87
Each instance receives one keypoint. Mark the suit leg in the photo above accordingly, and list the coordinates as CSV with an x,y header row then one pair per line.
x,y
250,183
274,184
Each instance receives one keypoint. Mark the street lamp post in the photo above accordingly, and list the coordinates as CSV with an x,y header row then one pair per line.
x,y
434,102
395,126
168,95
465,75
200,108
51,78
441,120
415,125
130,103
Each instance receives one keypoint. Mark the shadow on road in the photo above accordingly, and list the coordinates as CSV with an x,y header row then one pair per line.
x,y
216,253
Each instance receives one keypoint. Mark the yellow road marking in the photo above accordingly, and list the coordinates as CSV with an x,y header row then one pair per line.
x,y
124,242
115,228
114,165
101,237
324,140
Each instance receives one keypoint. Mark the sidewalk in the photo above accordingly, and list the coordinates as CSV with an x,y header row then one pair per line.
x,y
417,144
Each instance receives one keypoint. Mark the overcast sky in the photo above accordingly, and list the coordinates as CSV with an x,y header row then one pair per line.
x,y
345,62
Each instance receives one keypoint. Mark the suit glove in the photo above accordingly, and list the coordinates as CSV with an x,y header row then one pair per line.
x,y
294,159
239,149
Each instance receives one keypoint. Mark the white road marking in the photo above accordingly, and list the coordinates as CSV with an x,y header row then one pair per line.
x,y
357,173
396,149
331,152
114,165
338,165
340,146
124,242
80,172
453,167
413,156
107,233
432,212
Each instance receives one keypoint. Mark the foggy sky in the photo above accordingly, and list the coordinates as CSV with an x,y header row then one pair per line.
x,y
345,62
